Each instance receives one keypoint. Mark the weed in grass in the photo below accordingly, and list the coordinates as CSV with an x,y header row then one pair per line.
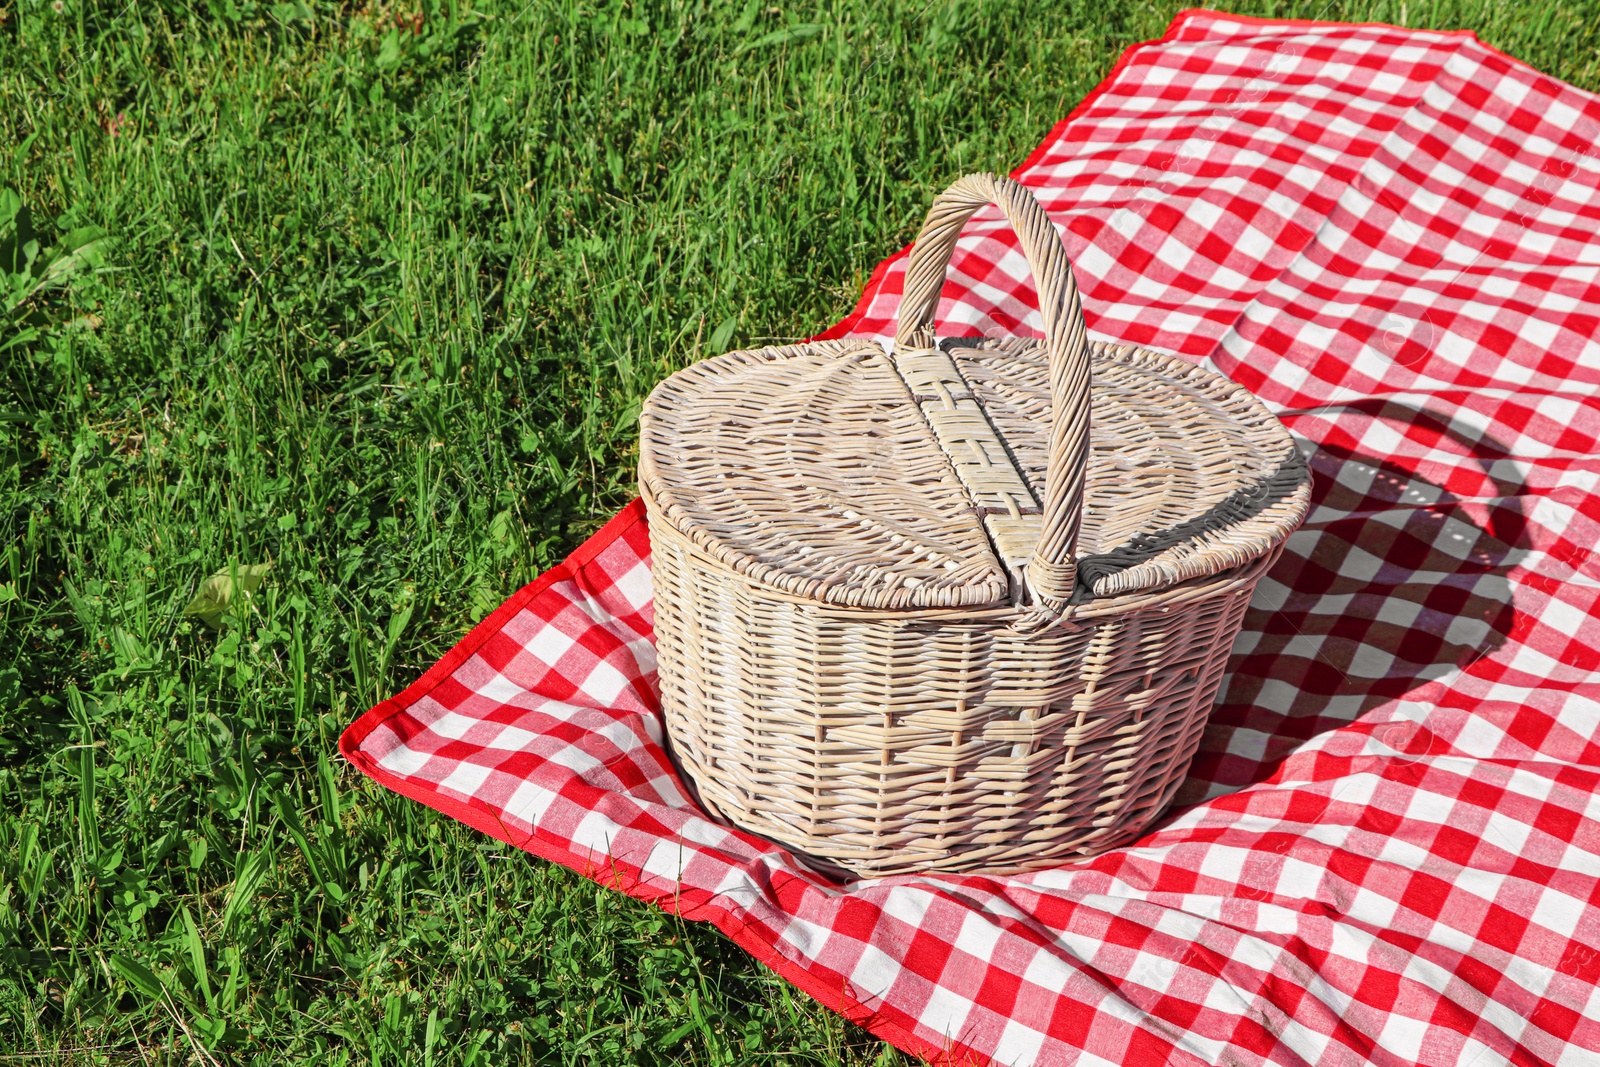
x,y
372,295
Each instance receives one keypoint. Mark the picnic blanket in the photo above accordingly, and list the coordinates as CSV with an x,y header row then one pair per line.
x,y
1388,848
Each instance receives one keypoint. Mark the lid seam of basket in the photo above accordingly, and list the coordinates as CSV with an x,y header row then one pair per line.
x,y
1018,586
1005,442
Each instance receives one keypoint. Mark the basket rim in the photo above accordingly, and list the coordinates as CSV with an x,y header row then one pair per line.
x,y
1080,610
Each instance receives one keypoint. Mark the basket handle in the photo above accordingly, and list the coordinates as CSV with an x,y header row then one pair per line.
x,y
1051,571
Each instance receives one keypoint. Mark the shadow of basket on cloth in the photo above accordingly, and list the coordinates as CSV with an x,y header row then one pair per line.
x,y
1396,584
954,605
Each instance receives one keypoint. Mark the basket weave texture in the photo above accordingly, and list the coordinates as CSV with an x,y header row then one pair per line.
x,y
961,604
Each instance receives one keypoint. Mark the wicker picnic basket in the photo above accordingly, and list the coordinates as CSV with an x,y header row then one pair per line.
x,y
944,606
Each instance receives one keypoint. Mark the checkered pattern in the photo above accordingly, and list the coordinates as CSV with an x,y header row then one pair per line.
x,y
1388,850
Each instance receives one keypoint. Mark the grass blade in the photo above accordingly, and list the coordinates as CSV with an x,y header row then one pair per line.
x,y
140,977
197,958
251,872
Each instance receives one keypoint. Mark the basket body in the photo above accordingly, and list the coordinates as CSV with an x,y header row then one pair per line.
x,y
946,740
887,739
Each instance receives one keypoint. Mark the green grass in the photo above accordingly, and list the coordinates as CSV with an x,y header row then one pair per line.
x,y
374,296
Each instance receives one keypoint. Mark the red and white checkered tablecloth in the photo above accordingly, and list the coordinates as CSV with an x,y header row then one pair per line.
x,y
1388,849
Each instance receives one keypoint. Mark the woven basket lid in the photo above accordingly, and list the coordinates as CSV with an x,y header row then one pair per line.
x,y
969,473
